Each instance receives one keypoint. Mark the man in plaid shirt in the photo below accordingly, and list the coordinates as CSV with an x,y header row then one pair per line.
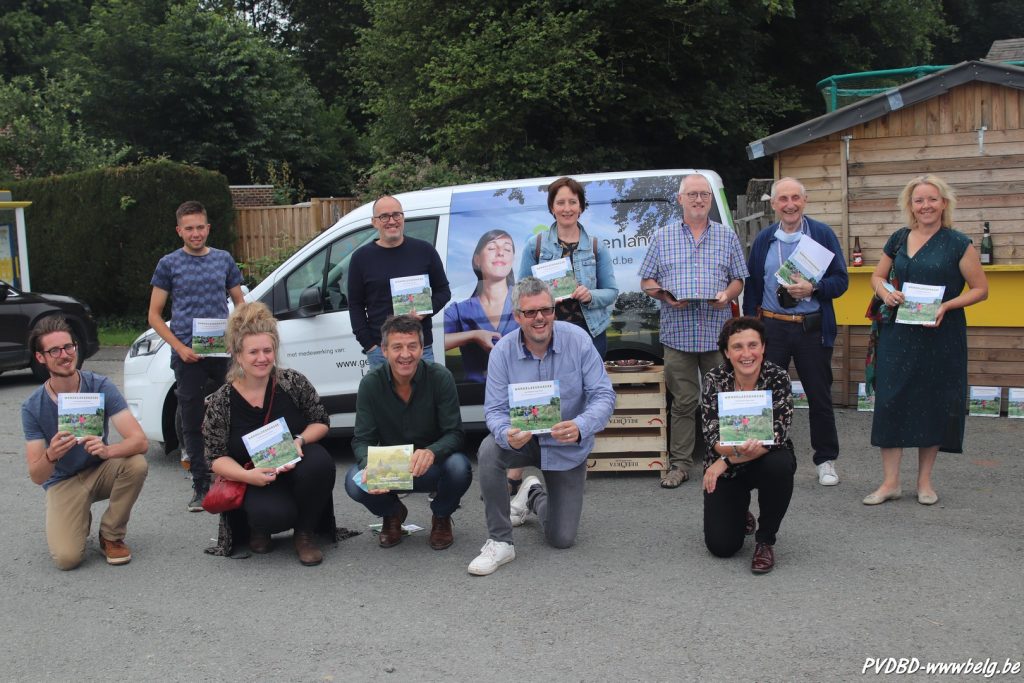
x,y
695,269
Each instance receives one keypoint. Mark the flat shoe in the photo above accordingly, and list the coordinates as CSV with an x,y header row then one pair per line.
x,y
878,498
674,477
927,498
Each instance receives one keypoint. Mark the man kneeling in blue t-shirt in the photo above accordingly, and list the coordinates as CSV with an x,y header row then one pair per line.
x,y
75,471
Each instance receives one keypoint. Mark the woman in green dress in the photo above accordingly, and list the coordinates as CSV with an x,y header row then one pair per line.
x,y
921,376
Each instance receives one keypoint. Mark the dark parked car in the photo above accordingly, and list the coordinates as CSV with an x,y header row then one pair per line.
x,y
20,311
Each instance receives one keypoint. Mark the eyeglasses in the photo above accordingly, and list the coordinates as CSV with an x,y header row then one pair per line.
x,y
531,313
70,349
698,195
386,217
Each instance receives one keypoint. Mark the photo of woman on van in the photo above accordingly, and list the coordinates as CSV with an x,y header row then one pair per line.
x,y
475,324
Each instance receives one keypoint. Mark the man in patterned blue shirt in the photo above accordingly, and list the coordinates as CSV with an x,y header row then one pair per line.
x,y
695,269
196,278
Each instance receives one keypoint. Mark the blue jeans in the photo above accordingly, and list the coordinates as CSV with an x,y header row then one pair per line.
x,y
375,358
450,478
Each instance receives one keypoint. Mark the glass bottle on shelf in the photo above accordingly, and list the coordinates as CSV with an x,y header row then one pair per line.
x,y
857,257
986,246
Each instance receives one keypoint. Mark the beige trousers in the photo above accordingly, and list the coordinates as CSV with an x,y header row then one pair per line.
x,y
684,373
68,514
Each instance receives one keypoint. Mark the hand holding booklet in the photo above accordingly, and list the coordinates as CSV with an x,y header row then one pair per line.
x,y
534,406
80,414
559,276
411,295
272,445
208,337
387,468
920,304
809,261
745,415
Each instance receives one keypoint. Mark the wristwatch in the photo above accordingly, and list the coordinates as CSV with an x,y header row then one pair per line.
x,y
301,438
728,465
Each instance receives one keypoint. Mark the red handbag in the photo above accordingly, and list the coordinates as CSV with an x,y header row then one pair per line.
x,y
226,495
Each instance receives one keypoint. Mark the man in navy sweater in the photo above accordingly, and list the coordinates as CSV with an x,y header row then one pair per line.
x,y
391,255
799,321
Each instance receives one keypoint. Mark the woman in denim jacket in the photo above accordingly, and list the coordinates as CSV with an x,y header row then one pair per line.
x,y
590,305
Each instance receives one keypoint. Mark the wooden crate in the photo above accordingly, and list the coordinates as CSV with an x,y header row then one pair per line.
x,y
635,437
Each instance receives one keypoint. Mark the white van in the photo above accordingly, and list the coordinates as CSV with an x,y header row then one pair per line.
x,y
307,293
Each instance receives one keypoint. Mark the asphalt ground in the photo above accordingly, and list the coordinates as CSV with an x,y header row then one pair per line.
x,y
637,598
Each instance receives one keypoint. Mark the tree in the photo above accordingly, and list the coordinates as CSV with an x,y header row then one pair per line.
x,y
202,87
27,35
41,133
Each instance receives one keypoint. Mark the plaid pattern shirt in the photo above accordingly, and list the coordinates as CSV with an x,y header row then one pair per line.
x,y
694,269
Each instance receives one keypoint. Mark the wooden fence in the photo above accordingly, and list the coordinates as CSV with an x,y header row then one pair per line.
x,y
267,231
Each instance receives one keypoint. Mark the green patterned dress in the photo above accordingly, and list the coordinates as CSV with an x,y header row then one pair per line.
x,y
921,375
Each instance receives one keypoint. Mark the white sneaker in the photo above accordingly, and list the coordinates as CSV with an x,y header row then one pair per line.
x,y
492,555
518,508
827,473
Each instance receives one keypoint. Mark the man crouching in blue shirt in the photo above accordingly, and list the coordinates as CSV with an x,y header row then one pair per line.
x,y
77,472
543,350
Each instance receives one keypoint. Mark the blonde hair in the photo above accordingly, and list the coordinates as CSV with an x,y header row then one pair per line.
x,y
245,321
945,191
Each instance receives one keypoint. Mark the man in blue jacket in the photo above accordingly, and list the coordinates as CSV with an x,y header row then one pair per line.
x,y
800,323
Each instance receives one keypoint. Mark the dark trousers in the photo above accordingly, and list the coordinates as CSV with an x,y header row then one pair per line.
x,y
450,479
297,498
725,510
192,379
601,344
785,341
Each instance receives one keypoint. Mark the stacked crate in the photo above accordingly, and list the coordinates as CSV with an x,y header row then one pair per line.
x,y
636,436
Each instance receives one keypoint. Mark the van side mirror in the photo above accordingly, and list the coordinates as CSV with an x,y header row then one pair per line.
x,y
311,303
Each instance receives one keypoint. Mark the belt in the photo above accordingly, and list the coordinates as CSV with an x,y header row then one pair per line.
x,y
785,317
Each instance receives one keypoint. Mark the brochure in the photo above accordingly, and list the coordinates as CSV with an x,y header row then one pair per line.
x,y
208,337
809,259
744,415
411,295
387,467
80,414
407,528
1015,403
984,401
920,305
534,406
272,445
655,291
799,395
559,276
865,401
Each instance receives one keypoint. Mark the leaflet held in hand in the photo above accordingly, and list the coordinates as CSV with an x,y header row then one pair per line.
x,y
534,406
411,295
80,414
920,304
272,445
208,337
387,468
745,415
810,260
559,276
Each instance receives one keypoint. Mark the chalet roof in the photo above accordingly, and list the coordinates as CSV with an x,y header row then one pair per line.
x,y
1010,50
908,94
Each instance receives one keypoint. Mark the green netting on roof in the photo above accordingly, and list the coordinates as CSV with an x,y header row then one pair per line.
x,y
845,89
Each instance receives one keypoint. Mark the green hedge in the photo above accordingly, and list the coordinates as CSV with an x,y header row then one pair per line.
x,y
97,235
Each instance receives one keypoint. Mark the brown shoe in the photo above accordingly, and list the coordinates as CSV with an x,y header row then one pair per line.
x,y
764,558
441,533
116,552
308,550
674,477
751,524
259,542
391,529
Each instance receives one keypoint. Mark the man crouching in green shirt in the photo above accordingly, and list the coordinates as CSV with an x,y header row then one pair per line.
x,y
410,401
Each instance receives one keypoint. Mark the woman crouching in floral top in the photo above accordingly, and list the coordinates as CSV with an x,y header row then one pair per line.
x,y
730,472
